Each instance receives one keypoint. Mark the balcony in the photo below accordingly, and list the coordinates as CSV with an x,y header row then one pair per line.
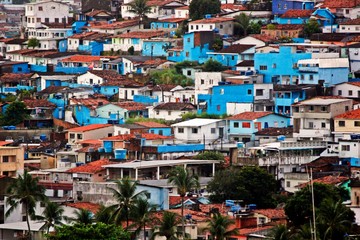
x,y
304,144
309,69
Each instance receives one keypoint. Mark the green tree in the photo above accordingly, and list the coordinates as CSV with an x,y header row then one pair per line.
x,y
217,44
334,220
299,207
270,26
15,114
170,76
25,191
131,50
104,215
141,214
281,232
89,232
185,64
184,182
311,27
199,8
168,227
213,66
219,227
250,184
33,42
125,194
210,155
82,216
140,8
244,22
51,216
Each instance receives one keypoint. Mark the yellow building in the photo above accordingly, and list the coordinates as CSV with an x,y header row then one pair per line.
x,y
11,160
347,124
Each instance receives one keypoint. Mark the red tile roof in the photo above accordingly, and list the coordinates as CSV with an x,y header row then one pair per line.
x,y
176,106
354,83
172,20
183,8
249,115
93,207
236,48
95,12
159,2
14,77
82,58
142,34
213,20
247,231
285,27
329,180
4,143
152,124
92,167
233,6
339,4
354,114
88,127
297,13
33,103
131,106
114,25
263,37
272,213
89,102
351,22
107,75
126,137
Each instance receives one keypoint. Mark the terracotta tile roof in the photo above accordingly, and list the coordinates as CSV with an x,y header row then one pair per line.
x,y
272,213
126,137
245,63
131,106
323,161
152,124
351,22
153,62
263,37
183,8
285,27
90,142
329,180
331,37
249,115
236,48
51,89
248,231
177,106
297,13
56,25
212,20
141,34
162,87
14,77
88,149
107,75
95,12
354,83
197,216
89,36
233,6
88,127
233,72
13,40
82,58
93,207
92,103
4,143
33,103
275,131
340,4
172,20
92,167
354,114
159,2
113,25
57,186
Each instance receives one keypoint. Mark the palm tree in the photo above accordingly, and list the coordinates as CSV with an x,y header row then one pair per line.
x,y
126,196
51,216
219,225
82,216
244,22
140,8
104,215
168,227
181,178
25,191
281,232
304,232
141,213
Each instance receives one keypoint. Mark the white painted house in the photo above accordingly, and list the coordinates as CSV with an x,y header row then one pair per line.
x,y
347,90
204,81
93,131
171,111
350,26
220,24
200,130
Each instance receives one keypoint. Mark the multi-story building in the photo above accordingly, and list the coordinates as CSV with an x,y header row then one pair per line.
x,y
11,161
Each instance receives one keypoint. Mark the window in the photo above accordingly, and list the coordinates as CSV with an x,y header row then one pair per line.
x,y
202,81
311,108
157,112
213,130
287,183
169,113
56,20
161,132
180,130
189,72
38,19
324,109
345,148
187,54
263,67
194,130
357,124
311,77
274,65
72,135
221,91
79,136
5,159
339,92
341,123
246,125
218,107
188,40
221,26
236,124
311,125
249,92
259,92
323,125
350,92
40,8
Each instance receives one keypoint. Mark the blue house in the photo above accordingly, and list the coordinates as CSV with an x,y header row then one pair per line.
x,y
324,17
167,23
281,6
294,16
90,42
196,46
243,126
14,67
232,55
157,47
275,69
156,128
215,103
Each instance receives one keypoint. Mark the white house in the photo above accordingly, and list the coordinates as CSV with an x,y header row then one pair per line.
x,y
204,81
182,12
350,26
128,91
93,131
259,40
347,90
200,130
46,12
98,77
171,111
221,24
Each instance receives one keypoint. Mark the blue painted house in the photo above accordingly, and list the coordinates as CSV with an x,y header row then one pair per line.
x,y
156,128
294,16
232,55
14,67
242,127
90,42
281,6
215,102
167,23
196,46
324,17
157,47
275,69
